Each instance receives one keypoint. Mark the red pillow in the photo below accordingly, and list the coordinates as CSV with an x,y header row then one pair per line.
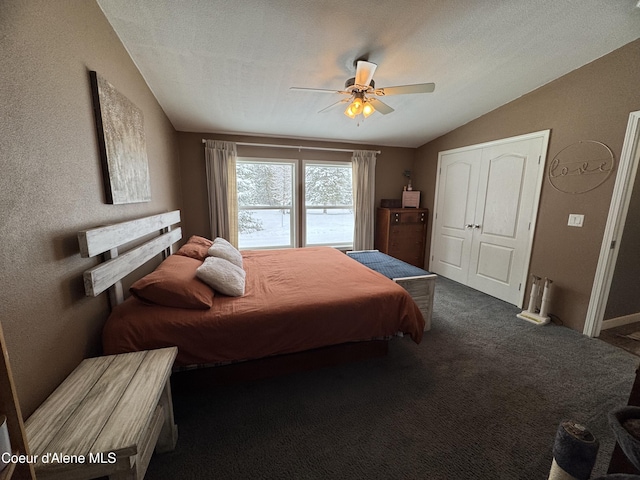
x,y
196,247
174,284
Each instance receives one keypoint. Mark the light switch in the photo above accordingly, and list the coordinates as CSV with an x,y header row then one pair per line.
x,y
575,220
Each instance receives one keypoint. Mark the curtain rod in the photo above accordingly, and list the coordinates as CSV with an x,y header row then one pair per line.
x,y
298,147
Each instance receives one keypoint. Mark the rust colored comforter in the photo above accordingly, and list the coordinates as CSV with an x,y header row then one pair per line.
x,y
295,300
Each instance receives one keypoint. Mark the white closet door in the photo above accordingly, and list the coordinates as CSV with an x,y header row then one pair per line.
x,y
456,200
485,210
503,214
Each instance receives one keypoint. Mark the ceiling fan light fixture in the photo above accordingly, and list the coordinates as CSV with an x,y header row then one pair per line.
x,y
356,107
367,109
349,112
361,92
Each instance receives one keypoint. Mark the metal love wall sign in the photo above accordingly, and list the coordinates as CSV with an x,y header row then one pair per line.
x,y
581,167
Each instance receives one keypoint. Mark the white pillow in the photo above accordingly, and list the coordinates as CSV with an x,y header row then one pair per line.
x,y
223,276
223,249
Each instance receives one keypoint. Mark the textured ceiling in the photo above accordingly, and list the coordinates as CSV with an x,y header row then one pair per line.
x,y
226,65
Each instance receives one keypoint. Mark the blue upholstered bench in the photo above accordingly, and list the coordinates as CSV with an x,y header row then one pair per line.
x,y
418,282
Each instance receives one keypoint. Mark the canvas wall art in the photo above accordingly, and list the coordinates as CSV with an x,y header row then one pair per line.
x,y
121,140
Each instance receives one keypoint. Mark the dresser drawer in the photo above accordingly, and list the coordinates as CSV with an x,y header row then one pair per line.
x,y
408,217
407,230
410,256
398,246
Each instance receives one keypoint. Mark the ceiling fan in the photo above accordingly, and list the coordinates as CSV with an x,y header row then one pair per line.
x,y
362,92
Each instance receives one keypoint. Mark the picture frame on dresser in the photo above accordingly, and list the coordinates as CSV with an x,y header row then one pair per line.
x,y
411,199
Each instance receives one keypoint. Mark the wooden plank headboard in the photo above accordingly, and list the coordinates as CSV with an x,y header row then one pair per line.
x,y
107,239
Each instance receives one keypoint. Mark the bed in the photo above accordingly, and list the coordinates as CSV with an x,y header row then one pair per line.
x,y
295,300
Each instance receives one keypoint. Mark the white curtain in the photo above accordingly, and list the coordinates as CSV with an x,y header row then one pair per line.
x,y
220,161
364,180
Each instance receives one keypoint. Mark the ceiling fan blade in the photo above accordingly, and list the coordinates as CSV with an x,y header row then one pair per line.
x,y
320,90
404,89
344,100
364,72
383,108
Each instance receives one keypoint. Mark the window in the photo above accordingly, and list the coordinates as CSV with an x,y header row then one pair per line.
x,y
328,205
266,203
271,214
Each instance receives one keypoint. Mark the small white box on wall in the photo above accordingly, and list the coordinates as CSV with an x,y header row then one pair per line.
x,y
411,199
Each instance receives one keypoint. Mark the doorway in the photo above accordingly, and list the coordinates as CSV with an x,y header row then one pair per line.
x,y
616,220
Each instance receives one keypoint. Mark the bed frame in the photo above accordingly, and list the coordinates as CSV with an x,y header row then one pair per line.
x,y
156,235
108,240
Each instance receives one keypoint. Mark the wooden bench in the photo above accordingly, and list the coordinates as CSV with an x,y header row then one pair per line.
x,y
106,418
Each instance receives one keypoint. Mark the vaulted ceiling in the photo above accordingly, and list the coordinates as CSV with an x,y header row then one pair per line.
x,y
226,65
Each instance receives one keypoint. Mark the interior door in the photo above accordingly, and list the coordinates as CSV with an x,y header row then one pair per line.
x,y
502,221
456,200
486,203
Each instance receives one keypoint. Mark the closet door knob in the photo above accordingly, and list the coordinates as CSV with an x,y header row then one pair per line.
x,y
469,225
477,226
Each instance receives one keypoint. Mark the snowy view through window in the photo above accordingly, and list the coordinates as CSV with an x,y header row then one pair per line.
x,y
267,202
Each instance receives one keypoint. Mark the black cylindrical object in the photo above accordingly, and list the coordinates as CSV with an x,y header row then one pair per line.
x,y
574,450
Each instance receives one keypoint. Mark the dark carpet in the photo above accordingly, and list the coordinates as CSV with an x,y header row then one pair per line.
x,y
480,398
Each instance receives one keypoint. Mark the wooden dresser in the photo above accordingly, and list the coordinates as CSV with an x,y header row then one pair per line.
x,y
401,233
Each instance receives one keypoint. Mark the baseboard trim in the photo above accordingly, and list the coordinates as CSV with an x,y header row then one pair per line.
x,y
619,321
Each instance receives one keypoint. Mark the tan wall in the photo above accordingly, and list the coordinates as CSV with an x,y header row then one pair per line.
x,y
590,103
51,184
390,165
